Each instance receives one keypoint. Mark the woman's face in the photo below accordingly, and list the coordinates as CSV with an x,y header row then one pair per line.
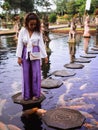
x,y
32,25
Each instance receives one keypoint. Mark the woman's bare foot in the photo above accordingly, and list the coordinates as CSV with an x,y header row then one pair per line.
x,y
35,99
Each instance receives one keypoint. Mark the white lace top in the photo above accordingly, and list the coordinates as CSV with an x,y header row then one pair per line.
x,y
24,38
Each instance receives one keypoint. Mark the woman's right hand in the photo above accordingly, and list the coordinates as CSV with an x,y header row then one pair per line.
x,y
19,61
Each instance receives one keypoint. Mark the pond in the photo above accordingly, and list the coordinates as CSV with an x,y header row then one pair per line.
x,y
78,92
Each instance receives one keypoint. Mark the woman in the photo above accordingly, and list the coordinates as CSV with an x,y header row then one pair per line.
x,y
30,40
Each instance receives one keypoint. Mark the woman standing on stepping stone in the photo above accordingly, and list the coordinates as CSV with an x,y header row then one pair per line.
x,y
86,34
30,40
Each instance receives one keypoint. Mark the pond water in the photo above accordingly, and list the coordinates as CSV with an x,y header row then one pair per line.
x,y
78,92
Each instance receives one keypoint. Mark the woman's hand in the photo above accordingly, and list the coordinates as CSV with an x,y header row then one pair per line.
x,y
19,61
46,60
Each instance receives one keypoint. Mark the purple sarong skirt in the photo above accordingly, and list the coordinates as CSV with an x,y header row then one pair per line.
x,y
31,76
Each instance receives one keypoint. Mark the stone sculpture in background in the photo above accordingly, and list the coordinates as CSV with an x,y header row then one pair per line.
x,y
96,22
72,41
45,31
86,34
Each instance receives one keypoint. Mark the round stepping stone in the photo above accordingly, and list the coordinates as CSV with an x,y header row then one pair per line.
x,y
92,52
63,73
51,83
95,48
17,98
82,60
63,118
74,66
88,56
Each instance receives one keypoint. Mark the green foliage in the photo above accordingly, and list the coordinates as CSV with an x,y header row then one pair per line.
x,y
73,7
80,5
23,5
6,6
52,18
27,6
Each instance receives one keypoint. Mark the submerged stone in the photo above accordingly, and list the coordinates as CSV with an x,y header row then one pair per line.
x,y
63,118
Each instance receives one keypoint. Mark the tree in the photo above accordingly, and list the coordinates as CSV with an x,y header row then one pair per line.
x,y
60,6
27,5
6,7
80,5
23,5
71,7
44,4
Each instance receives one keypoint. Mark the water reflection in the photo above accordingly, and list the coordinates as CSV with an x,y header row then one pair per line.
x,y
33,122
78,92
45,67
86,45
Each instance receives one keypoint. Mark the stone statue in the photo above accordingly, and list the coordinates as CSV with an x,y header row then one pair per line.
x,y
45,31
72,41
86,34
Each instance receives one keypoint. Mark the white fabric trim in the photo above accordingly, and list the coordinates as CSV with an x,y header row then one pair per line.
x,y
24,38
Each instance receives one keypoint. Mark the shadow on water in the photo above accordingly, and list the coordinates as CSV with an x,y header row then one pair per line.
x,y
78,92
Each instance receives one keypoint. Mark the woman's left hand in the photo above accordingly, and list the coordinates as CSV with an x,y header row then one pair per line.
x,y
46,60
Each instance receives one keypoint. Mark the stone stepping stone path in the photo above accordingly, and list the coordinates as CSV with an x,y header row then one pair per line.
x,y
82,60
51,83
74,66
88,56
63,73
63,118
17,98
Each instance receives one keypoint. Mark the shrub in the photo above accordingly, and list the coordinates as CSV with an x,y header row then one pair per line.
x,y
52,18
